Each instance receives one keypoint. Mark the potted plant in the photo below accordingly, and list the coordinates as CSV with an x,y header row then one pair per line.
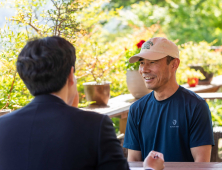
x,y
97,88
135,83
201,57
193,77
97,61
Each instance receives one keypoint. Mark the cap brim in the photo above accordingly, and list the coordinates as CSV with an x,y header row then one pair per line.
x,y
150,55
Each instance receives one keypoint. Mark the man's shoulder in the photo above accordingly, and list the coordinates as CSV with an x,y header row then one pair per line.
x,y
77,114
81,112
192,100
51,109
142,100
190,95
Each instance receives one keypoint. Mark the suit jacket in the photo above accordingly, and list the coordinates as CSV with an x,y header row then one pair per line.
x,y
47,134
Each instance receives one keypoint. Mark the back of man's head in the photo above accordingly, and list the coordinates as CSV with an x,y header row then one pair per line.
x,y
44,64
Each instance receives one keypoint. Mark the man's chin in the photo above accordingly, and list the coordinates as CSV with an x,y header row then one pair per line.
x,y
149,87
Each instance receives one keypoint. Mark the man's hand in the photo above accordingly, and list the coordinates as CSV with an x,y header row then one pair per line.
x,y
76,100
154,160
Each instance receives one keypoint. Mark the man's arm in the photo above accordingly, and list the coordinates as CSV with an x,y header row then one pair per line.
x,y
201,133
131,140
134,155
201,153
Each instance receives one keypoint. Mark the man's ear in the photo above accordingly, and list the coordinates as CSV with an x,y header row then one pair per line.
x,y
71,76
176,63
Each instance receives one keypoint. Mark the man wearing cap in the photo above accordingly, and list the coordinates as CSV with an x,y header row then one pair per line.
x,y
171,119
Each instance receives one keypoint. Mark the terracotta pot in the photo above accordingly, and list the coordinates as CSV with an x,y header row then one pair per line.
x,y
192,82
135,84
4,111
100,93
208,76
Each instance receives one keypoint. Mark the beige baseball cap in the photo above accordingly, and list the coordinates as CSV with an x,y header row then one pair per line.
x,y
155,49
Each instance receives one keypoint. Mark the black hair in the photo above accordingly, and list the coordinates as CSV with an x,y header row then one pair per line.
x,y
44,64
169,59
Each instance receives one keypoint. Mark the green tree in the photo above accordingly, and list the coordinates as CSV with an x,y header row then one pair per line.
x,y
73,20
60,21
183,21
195,21
117,3
13,93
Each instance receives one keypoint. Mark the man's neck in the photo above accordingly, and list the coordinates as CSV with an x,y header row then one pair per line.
x,y
166,92
62,94
56,95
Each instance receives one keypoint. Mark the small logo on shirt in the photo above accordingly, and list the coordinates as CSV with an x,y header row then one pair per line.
x,y
174,122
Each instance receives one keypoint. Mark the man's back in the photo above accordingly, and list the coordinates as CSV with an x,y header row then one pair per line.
x,y
48,134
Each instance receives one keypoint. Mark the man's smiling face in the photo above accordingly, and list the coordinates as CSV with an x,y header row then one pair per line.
x,y
156,73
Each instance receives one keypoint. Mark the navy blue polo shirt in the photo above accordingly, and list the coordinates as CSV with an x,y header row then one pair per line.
x,y
171,126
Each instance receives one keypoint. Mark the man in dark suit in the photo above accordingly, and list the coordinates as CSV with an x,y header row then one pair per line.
x,y
48,133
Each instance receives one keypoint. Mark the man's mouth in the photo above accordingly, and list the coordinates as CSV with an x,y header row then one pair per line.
x,y
148,78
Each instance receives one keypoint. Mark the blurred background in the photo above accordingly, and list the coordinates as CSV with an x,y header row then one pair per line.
x,y
105,34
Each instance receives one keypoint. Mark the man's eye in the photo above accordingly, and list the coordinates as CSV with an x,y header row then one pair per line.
x,y
141,62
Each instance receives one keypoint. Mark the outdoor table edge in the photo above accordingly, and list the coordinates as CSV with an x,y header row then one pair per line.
x,y
186,164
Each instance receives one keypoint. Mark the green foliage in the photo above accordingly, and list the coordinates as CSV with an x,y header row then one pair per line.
x,y
216,111
96,59
199,20
191,73
32,20
105,65
135,42
201,54
129,53
13,93
117,3
198,54
183,21
60,20
101,54
116,124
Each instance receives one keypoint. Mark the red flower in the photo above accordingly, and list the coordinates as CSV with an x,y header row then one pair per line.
x,y
139,44
193,81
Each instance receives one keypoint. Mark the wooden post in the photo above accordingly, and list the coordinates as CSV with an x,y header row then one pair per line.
x,y
122,122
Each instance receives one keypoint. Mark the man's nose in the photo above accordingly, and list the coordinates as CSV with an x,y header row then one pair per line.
x,y
145,69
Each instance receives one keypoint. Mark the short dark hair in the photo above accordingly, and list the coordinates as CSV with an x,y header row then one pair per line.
x,y
169,59
44,64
